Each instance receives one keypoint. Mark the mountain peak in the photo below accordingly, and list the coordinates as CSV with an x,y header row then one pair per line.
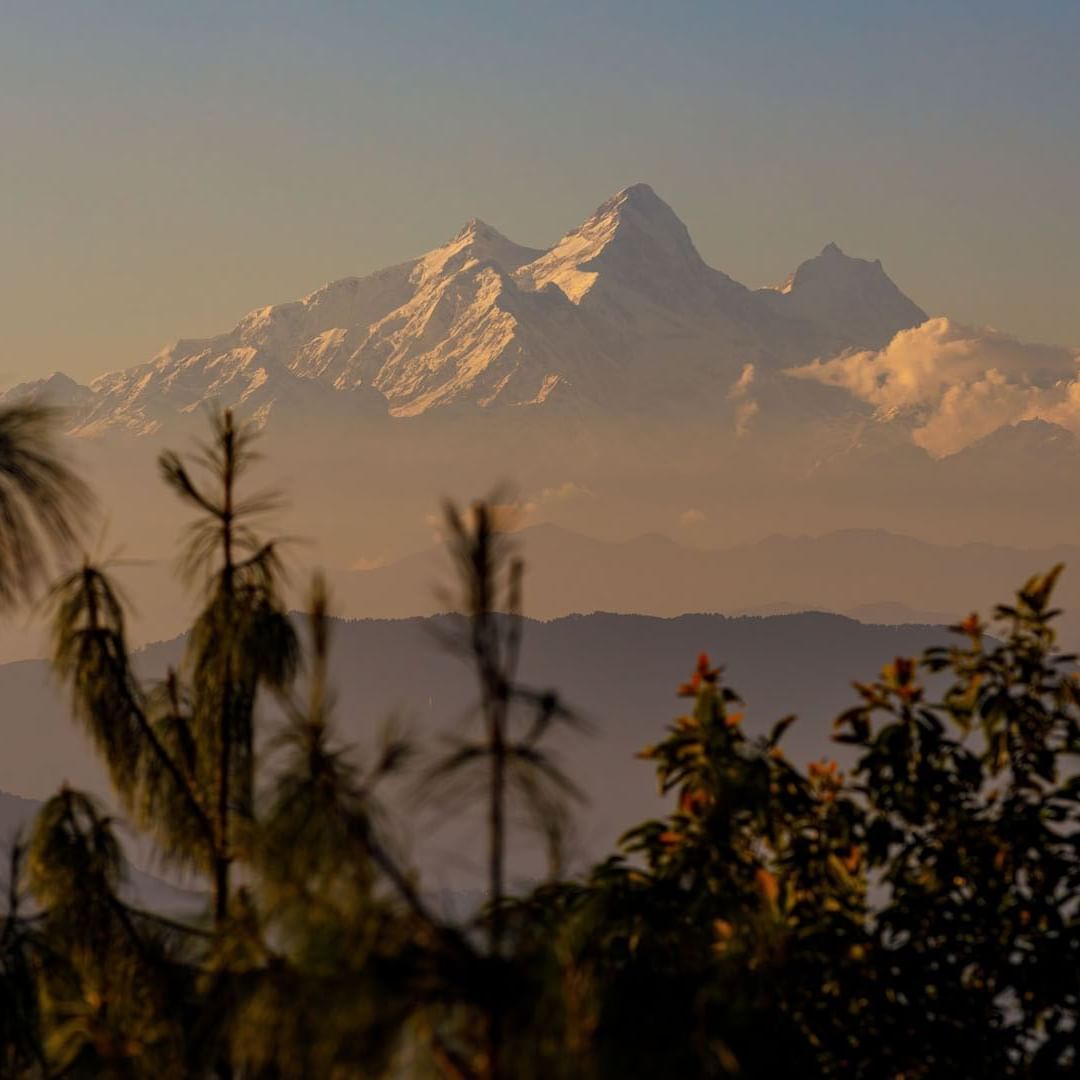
x,y
850,292
56,389
1034,434
640,196
832,252
476,229
475,242
639,189
633,238
638,206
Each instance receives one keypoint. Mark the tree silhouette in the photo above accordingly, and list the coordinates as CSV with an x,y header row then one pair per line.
x,y
917,917
508,758
42,501
241,640
42,505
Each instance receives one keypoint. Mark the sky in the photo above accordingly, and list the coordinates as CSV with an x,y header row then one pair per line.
x,y
166,167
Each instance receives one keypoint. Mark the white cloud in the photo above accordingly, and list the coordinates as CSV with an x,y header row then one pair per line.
x,y
515,513
958,383
563,492
746,408
530,508
368,564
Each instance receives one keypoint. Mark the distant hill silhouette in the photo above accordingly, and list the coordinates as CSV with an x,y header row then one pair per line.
x,y
871,574
618,672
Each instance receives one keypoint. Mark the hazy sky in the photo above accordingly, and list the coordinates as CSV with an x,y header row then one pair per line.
x,y
166,166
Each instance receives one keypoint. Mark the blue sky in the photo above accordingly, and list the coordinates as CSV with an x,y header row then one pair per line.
x,y
165,167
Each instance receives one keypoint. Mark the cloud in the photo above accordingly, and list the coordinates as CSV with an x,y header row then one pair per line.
x,y
531,507
746,408
564,492
368,564
512,512
689,518
956,383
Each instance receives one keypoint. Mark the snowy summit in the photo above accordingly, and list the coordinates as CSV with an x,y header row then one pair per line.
x,y
621,311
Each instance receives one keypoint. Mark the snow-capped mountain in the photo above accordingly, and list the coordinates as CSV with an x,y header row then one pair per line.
x,y
632,253
854,298
622,312
58,389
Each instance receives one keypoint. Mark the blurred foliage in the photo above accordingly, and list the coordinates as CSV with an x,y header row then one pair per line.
x,y
917,917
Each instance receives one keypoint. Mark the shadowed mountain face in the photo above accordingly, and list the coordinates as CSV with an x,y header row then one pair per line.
x,y
619,673
852,296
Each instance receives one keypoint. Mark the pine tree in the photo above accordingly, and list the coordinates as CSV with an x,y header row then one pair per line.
x,y
507,760
42,501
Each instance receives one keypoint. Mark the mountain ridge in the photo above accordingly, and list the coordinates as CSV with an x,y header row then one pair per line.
x,y
838,573
620,312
